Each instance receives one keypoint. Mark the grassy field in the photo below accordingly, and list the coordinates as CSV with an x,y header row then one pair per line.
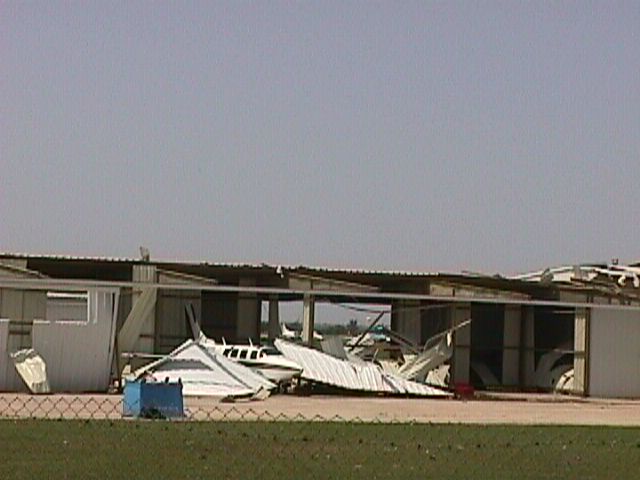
x,y
145,449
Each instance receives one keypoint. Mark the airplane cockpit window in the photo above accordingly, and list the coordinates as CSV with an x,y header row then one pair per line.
x,y
226,352
234,353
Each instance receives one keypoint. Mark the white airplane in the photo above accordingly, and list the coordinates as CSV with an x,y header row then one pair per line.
x,y
267,361
288,334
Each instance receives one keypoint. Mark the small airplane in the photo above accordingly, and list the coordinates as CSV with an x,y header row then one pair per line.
x,y
267,361
286,333
289,334
377,334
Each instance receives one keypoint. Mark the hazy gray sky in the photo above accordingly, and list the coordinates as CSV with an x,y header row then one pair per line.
x,y
491,136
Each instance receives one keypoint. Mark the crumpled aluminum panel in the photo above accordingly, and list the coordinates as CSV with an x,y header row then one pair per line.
x,y
322,368
204,373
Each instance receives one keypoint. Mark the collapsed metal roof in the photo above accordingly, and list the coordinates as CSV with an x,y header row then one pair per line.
x,y
322,368
613,280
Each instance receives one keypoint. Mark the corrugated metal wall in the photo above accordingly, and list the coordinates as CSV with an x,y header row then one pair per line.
x,y
78,354
406,319
219,315
614,355
172,327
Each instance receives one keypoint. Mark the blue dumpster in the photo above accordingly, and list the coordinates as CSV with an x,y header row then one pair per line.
x,y
153,399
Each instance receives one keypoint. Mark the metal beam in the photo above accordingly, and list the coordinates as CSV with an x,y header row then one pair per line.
x,y
79,285
371,325
308,318
142,310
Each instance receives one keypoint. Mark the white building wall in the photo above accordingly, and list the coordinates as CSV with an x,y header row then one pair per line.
x,y
77,351
614,353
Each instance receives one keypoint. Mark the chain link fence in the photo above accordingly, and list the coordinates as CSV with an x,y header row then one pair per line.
x,y
521,410
113,407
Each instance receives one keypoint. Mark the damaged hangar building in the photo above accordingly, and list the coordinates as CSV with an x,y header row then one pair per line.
x,y
84,315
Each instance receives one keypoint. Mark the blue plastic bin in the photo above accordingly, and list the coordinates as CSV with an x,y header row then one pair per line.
x,y
153,399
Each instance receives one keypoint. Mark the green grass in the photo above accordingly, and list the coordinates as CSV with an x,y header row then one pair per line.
x,y
39,449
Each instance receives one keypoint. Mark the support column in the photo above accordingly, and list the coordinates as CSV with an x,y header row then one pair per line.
x,y
146,332
308,318
248,320
137,332
274,318
462,341
527,349
580,355
511,345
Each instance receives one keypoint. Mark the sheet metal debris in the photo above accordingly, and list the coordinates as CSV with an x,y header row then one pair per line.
x,y
554,373
32,369
205,373
565,382
428,360
333,346
322,368
613,274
